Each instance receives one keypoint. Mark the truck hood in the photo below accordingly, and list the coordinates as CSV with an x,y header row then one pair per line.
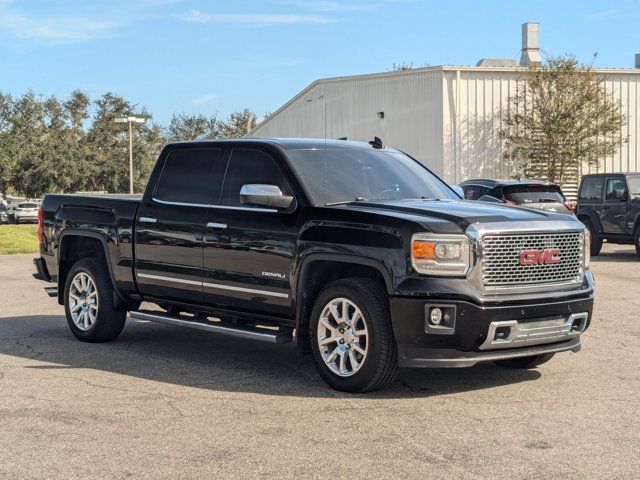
x,y
459,212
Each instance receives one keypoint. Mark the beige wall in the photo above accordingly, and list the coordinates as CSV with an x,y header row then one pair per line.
x,y
449,118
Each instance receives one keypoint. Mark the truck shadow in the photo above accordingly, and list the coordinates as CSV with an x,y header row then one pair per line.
x,y
619,255
215,362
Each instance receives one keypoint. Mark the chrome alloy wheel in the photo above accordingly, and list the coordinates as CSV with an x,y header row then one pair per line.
x,y
83,301
342,337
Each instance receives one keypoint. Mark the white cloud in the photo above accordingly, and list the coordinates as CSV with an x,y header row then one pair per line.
x,y
205,99
55,28
606,13
256,19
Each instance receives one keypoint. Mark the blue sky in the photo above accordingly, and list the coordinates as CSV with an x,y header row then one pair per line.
x,y
221,56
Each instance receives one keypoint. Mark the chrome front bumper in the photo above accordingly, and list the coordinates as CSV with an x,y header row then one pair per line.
x,y
514,334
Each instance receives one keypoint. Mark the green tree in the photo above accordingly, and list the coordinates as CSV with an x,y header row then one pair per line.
x,y
560,117
238,124
107,146
7,161
198,126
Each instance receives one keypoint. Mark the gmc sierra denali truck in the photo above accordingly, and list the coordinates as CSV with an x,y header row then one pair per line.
x,y
355,251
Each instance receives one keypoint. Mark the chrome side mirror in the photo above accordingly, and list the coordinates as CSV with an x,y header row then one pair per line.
x,y
265,196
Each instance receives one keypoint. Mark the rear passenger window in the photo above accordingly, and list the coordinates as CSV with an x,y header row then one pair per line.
x,y
474,192
250,166
591,189
191,175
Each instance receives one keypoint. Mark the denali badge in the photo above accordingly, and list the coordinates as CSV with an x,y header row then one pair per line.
x,y
540,257
274,274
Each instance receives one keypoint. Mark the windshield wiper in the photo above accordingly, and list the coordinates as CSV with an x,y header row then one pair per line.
x,y
344,202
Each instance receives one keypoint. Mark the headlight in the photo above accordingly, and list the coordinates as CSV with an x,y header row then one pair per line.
x,y
587,247
434,254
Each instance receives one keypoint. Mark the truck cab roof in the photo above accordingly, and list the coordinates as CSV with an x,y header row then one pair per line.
x,y
291,143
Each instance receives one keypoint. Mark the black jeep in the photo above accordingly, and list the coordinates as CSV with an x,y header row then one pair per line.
x,y
609,206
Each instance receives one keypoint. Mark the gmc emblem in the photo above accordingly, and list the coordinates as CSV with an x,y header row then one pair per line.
x,y
540,257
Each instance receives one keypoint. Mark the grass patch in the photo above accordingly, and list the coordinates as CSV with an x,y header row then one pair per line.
x,y
18,239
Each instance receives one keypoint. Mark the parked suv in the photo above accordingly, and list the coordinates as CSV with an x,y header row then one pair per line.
x,y
4,214
371,259
26,212
609,206
524,193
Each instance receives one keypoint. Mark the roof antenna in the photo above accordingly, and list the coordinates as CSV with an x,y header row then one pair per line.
x,y
376,143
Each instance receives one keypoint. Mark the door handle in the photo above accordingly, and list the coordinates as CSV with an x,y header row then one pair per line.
x,y
220,226
148,220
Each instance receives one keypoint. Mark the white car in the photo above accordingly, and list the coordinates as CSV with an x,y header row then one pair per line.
x,y
26,213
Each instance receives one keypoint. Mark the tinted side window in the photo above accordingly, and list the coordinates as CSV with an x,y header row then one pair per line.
x,y
191,176
614,184
474,192
591,189
250,166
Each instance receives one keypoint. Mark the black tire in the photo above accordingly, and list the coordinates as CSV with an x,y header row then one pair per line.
x,y
380,365
525,362
109,321
636,240
596,239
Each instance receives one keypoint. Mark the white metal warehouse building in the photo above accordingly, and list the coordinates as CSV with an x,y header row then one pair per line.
x,y
448,117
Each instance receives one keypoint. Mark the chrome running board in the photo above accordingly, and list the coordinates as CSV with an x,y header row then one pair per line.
x,y
253,333
51,291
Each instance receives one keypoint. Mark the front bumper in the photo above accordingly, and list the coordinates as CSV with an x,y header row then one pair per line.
x,y
425,357
26,218
487,332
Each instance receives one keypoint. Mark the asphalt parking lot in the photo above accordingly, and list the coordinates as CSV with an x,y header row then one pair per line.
x,y
163,402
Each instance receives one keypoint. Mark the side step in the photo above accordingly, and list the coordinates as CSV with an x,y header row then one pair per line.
x,y
242,331
51,291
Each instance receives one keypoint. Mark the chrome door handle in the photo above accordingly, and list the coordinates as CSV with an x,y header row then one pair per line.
x,y
220,226
148,220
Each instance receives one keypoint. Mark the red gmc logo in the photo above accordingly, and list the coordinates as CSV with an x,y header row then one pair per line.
x,y
540,257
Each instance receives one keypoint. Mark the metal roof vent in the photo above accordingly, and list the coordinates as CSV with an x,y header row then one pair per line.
x,y
496,62
530,45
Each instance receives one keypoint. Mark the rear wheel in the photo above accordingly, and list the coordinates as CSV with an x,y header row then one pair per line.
x,y
88,302
351,336
596,239
525,362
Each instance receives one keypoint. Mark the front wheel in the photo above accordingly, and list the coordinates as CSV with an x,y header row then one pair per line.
x,y
525,362
596,239
352,338
88,303
636,240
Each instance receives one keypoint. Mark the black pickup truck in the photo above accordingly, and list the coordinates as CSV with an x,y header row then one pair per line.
x,y
355,251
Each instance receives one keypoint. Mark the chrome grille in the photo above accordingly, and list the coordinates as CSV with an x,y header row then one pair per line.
x,y
501,265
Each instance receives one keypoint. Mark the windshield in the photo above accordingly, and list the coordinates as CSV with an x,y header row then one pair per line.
x,y
346,175
533,193
634,186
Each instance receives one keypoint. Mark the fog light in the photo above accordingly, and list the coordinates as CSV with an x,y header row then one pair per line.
x,y
435,317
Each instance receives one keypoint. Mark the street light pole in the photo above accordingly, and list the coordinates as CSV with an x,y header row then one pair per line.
x,y
130,121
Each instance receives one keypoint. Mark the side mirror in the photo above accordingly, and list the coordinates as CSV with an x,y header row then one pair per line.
x,y
458,189
618,193
265,196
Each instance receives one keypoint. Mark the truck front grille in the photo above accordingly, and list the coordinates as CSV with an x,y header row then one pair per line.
x,y
502,266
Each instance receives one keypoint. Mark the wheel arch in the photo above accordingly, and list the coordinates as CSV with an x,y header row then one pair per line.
x,y
319,269
592,217
76,245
